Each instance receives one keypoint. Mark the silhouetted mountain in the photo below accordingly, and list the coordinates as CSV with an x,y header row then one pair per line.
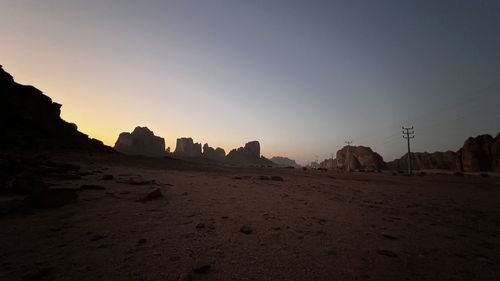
x,y
141,141
284,161
30,120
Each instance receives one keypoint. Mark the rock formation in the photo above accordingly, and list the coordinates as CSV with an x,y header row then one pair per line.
x,y
285,162
185,148
480,153
253,147
31,120
358,157
217,154
426,161
248,155
141,141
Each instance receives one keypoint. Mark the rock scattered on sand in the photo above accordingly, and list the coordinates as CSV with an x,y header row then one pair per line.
x,y
185,277
246,229
201,267
36,274
26,184
52,198
96,237
10,205
276,178
151,195
92,187
107,177
387,253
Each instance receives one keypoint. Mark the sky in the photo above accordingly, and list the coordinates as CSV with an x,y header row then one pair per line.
x,y
301,77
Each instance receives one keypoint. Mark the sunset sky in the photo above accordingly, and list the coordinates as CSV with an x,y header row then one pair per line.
x,y
301,77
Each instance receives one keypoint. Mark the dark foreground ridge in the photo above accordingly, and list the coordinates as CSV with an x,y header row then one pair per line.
x,y
30,120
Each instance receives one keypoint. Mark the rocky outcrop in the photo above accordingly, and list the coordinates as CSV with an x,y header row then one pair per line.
x,y
30,120
426,161
495,153
141,141
480,154
186,148
358,157
248,155
217,154
253,148
285,162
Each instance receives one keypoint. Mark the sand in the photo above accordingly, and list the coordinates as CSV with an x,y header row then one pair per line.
x,y
313,225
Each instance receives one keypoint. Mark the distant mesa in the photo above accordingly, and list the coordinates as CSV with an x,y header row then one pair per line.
x,y
217,154
186,148
30,120
426,161
284,162
141,141
248,155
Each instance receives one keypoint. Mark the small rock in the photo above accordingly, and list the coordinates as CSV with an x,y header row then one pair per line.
x,y
142,241
201,267
185,277
52,198
92,187
26,184
36,274
107,177
8,206
200,225
390,237
174,258
387,253
153,194
96,238
246,229
276,178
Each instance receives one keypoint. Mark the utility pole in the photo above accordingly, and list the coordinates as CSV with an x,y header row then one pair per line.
x,y
408,133
348,154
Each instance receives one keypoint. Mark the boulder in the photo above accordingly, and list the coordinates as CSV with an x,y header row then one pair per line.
x,y
32,121
217,154
141,141
358,157
186,148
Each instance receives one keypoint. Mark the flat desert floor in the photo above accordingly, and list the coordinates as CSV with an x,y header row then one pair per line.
x,y
229,223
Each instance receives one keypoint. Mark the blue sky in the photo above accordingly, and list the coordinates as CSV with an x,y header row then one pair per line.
x,y
299,76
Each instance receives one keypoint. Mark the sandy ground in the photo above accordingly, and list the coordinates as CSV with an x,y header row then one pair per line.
x,y
313,225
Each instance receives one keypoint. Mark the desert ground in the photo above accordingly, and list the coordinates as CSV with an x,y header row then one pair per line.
x,y
256,223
